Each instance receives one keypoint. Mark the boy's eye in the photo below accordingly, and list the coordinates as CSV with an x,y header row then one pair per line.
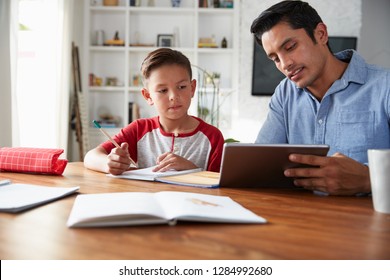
x,y
182,86
164,90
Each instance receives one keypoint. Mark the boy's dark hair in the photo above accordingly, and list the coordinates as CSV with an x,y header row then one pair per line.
x,y
164,56
297,14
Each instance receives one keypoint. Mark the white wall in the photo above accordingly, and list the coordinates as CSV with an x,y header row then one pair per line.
x,y
73,145
341,17
374,43
5,76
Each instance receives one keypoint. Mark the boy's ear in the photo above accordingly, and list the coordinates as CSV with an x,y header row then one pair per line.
x,y
193,87
146,95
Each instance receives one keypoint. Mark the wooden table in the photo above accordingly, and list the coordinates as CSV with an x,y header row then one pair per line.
x,y
301,226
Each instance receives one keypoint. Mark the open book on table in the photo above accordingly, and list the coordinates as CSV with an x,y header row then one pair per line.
x,y
140,208
18,197
201,179
192,177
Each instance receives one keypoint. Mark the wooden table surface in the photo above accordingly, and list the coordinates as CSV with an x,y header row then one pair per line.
x,y
301,226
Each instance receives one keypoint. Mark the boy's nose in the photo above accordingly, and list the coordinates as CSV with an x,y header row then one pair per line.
x,y
173,95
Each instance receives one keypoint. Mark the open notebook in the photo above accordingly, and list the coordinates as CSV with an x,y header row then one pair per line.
x,y
147,174
142,208
19,197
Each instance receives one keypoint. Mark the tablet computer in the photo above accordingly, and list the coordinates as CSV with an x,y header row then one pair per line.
x,y
261,165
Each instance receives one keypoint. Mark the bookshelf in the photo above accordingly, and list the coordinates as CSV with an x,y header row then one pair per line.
x,y
111,72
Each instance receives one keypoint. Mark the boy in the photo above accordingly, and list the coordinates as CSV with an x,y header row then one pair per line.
x,y
171,140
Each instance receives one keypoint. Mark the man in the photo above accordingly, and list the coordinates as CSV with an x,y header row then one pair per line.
x,y
337,100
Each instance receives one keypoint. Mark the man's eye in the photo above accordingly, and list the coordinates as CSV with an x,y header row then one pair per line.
x,y
291,46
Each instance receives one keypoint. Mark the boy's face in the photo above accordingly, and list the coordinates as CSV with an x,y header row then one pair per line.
x,y
170,89
295,54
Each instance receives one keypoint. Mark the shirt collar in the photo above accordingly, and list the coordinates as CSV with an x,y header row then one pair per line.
x,y
356,71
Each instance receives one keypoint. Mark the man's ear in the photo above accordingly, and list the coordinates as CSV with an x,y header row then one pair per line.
x,y
321,33
146,95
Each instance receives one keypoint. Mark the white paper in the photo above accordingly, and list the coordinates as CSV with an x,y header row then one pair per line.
x,y
136,208
121,208
18,197
147,174
202,207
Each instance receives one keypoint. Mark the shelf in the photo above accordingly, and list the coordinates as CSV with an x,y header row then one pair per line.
x,y
108,9
106,89
216,50
133,89
169,10
107,48
141,49
216,11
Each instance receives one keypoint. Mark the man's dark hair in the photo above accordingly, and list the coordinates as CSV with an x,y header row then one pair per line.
x,y
161,57
297,14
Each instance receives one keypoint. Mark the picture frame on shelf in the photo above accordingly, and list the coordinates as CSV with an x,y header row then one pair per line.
x,y
165,40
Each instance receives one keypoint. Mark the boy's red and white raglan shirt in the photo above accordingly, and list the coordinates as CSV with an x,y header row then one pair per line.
x,y
147,140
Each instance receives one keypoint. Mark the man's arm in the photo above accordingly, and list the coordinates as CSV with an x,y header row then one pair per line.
x,y
273,130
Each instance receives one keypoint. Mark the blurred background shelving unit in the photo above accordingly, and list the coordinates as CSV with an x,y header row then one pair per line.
x,y
111,74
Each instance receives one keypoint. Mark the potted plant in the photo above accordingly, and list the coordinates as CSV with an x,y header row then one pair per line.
x,y
209,99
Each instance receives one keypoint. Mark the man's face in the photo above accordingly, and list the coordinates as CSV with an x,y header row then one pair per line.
x,y
295,54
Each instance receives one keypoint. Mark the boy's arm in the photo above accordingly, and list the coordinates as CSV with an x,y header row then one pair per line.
x,y
117,162
96,159
170,160
216,153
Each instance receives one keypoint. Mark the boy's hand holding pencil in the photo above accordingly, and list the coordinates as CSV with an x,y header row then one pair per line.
x,y
119,159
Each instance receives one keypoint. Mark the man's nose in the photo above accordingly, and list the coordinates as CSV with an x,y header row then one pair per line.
x,y
286,62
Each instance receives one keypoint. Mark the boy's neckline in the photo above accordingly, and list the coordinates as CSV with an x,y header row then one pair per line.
x,y
193,127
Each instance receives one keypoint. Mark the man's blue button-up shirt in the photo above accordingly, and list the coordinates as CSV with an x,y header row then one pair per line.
x,y
352,117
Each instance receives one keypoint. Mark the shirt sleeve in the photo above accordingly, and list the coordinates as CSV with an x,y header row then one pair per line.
x,y
273,130
129,134
216,151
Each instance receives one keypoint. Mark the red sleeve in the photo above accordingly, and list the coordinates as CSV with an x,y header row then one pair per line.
x,y
131,134
216,141
216,153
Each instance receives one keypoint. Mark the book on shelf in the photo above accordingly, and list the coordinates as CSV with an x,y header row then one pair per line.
x,y
19,197
134,113
130,112
143,208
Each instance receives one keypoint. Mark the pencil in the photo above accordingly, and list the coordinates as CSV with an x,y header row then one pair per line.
x,y
97,125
